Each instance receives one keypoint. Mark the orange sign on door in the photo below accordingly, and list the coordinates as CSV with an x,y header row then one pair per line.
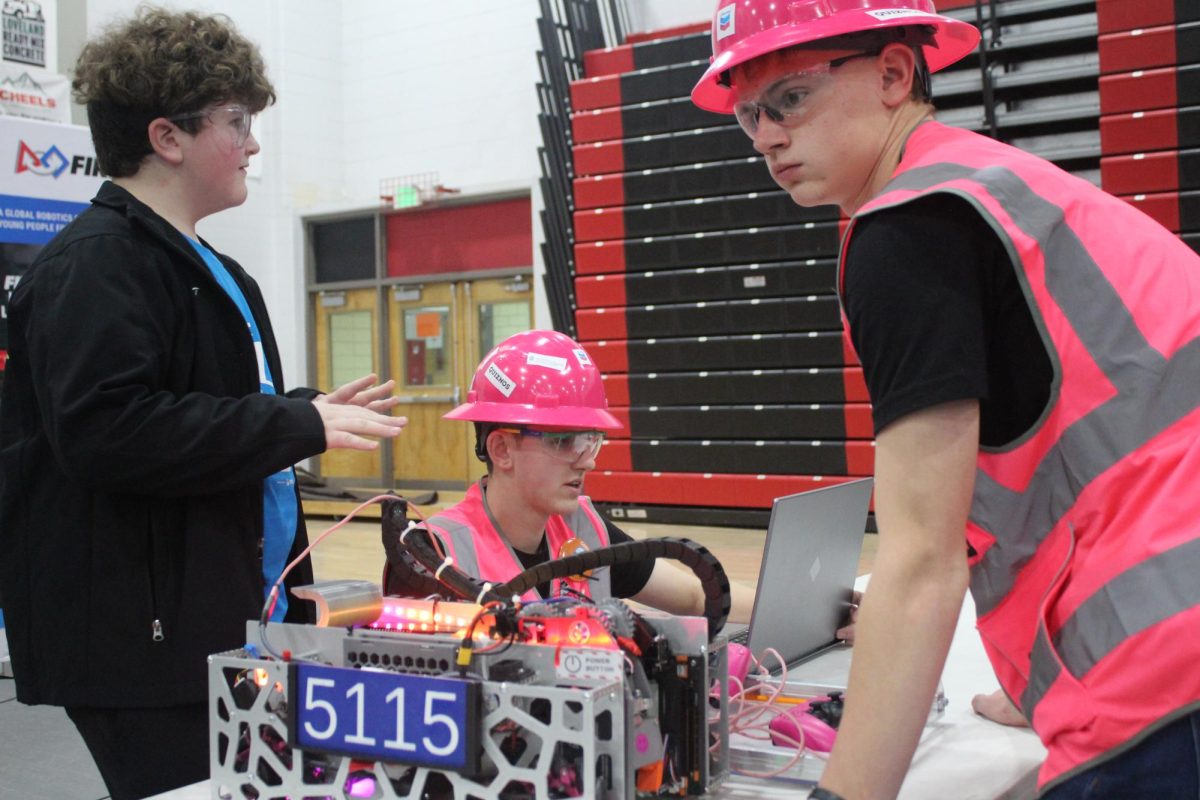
x,y
429,324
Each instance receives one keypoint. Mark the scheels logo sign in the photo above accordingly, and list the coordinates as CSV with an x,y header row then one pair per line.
x,y
25,91
52,163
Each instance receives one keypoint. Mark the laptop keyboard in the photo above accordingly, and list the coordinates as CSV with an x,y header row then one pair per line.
x,y
741,637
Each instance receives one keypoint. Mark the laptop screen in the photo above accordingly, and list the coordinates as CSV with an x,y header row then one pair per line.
x,y
810,561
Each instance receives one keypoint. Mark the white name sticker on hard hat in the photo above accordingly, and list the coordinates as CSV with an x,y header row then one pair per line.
x,y
556,363
497,378
582,357
892,13
725,22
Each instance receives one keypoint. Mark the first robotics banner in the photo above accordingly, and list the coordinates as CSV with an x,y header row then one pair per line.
x,y
53,178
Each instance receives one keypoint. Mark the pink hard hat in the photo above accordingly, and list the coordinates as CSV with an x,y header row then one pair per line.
x,y
538,378
746,29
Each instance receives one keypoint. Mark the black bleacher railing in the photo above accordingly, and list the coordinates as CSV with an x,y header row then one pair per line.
x,y
1034,84
568,29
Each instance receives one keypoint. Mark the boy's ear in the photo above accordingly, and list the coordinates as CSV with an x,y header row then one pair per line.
x,y
499,449
897,63
166,140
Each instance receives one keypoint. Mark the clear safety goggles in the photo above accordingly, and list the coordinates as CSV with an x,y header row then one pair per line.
x,y
787,99
569,446
239,118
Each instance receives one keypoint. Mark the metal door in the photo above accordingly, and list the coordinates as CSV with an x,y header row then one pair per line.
x,y
438,334
347,343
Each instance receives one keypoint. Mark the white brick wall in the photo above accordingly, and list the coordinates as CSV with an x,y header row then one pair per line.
x,y
440,87
649,15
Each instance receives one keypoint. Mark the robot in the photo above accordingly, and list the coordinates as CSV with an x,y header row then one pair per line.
x,y
469,692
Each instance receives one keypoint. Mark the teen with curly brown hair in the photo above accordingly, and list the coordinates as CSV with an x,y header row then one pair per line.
x,y
147,497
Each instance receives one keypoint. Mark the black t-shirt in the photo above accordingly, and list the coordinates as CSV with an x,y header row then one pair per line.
x,y
937,313
625,582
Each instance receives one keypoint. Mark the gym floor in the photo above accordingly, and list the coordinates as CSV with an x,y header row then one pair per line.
x,y
43,758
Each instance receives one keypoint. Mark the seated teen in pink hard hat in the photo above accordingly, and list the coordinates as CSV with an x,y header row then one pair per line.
x,y
540,417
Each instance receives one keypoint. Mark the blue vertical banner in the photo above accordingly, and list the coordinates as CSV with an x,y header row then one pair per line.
x,y
49,176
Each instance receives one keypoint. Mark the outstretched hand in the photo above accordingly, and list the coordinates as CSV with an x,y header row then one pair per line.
x,y
995,706
363,392
357,410
998,708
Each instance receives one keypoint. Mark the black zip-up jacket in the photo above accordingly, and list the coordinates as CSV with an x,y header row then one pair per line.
x,y
134,442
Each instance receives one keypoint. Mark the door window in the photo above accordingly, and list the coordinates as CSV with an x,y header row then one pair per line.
x,y
350,353
498,321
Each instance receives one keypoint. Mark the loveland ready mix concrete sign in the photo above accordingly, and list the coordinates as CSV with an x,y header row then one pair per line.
x,y
28,32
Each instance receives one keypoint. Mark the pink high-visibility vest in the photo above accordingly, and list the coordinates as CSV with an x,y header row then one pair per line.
x,y
1086,530
470,537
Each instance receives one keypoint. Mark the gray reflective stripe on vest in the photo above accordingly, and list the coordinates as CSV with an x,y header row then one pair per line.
x,y
1153,393
1139,597
462,539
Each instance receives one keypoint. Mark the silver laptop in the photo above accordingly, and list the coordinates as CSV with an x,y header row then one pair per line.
x,y
806,582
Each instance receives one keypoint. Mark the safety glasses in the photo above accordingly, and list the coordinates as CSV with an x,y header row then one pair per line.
x,y
239,118
787,99
569,446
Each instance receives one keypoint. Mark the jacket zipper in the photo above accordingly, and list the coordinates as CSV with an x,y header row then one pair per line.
x,y
156,628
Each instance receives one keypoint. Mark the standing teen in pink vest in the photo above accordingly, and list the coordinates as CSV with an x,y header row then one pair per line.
x,y
1032,348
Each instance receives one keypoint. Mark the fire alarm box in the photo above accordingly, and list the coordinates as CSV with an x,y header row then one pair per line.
x,y
415,362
